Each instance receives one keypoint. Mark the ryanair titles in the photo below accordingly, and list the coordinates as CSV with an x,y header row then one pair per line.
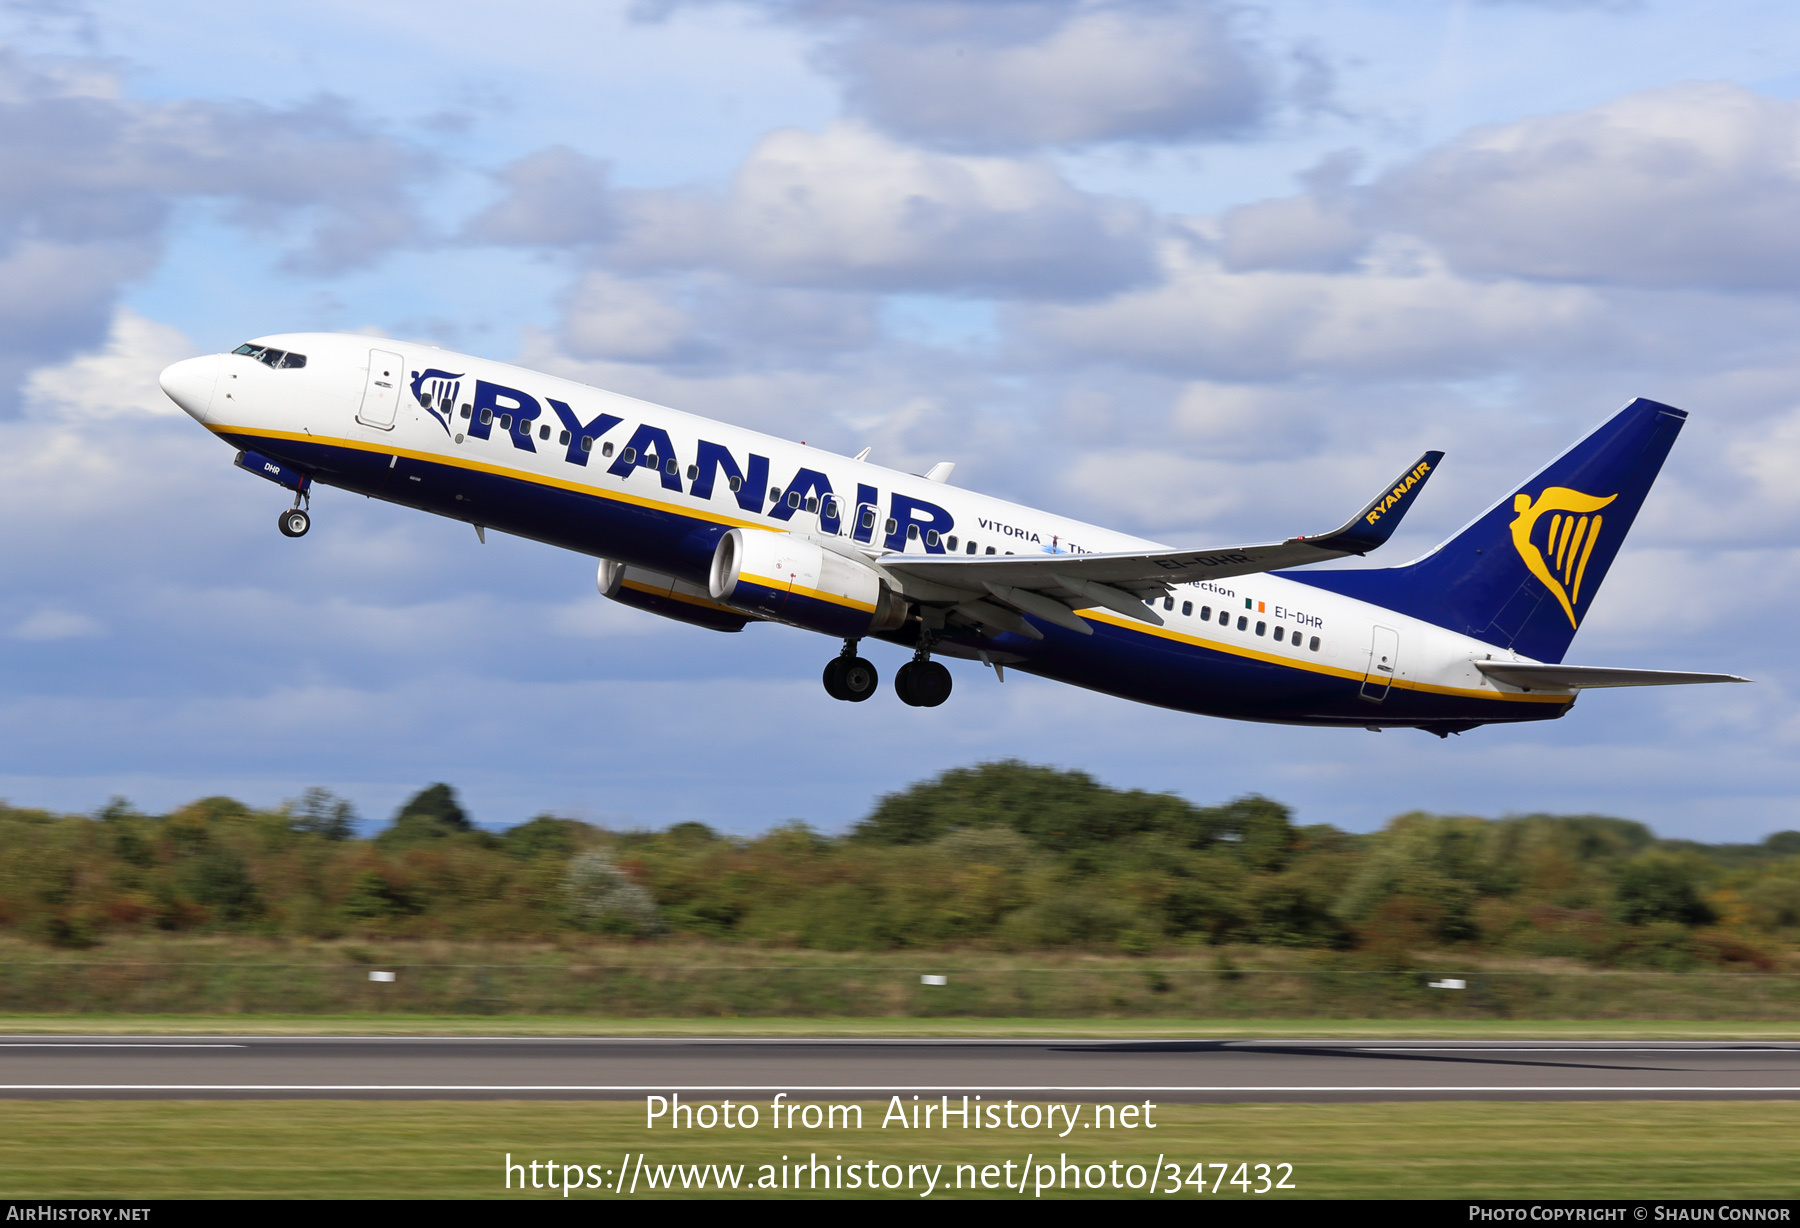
x,y
521,418
1394,497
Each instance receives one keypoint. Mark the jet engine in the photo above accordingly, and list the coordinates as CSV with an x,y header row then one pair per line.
x,y
789,579
667,596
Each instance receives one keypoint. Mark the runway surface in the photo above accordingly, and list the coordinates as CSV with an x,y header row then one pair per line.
x,y
464,1068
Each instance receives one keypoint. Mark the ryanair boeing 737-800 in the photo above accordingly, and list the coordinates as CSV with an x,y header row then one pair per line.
x,y
710,524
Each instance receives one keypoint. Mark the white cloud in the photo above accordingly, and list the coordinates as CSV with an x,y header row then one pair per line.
x,y
1016,75
610,317
1689,185
849,209
1299,233
119,378
49,625
93,176
1405,316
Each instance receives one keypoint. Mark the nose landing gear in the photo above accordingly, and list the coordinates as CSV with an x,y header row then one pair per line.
x,y
849,677
294,522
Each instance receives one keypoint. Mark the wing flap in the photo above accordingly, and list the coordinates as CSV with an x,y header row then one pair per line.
x,y
1533,676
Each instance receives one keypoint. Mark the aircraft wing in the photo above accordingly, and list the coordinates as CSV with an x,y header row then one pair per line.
x,y
1051,585
1532,676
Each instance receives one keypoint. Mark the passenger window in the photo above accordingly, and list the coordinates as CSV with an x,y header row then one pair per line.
x,y
1224,618
812,504
971,548
1187,608
629,456
912,532
774,494
1205,613
1168,603
544,432
990,549
1261,627
670,467
693,472
793,499
487,416
831,509
606,448
587,443
1278,632
868,518
1314,643
1243,623
891,525
931,538
563,439
950,544
506,422
465,411
736,483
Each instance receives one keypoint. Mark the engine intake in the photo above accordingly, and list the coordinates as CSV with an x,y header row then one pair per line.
x,y
786,578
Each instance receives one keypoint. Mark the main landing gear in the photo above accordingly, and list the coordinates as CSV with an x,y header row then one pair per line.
x,y
849,677
922,682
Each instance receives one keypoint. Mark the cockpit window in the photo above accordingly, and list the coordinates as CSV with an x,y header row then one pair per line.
x,y
278,359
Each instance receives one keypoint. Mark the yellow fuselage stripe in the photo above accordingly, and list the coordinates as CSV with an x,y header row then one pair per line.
x,y
1111,619
1312,667
816,594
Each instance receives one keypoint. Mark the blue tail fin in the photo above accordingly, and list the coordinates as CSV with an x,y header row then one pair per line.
x,y
1523,573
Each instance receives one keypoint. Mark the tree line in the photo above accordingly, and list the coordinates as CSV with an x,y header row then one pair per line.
x,y
1002,855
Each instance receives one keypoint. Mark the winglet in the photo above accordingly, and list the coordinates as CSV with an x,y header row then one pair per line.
x,y
1376,523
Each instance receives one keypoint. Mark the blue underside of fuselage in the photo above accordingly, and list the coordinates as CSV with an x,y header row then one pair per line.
x,y
1119,661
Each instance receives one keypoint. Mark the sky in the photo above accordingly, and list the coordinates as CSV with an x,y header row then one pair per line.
x,y
1206,272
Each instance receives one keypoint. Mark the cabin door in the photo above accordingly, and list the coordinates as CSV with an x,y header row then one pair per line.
x,y
381,395
1384,658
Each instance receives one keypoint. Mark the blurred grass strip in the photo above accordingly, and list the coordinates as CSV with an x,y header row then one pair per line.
x,y
1099,987
566,1025
436,1149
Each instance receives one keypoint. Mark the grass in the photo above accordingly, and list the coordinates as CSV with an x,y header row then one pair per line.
x,y
384,1024
226,978
436,1149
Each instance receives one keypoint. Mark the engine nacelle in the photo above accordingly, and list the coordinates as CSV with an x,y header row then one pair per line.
x,y
784,577
667,596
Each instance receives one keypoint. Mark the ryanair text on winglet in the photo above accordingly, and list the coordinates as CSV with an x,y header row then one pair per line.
x,y
1399,492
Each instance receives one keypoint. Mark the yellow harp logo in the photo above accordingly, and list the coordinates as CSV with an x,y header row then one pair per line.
x,y
1574,528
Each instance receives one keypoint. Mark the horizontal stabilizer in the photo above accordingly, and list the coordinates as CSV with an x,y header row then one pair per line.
x,y
1533,676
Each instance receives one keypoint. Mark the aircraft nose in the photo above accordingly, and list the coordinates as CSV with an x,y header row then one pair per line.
x,y
189,383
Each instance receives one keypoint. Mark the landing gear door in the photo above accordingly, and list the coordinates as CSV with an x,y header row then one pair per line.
x,y
1384,659
381,395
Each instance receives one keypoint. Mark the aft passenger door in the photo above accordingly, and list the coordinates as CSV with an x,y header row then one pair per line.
x,y
381,394
1384,658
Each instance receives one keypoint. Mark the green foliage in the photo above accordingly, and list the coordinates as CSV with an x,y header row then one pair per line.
x,y
322,813
1660,886
1061,811
546,836
1006,856
432,814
